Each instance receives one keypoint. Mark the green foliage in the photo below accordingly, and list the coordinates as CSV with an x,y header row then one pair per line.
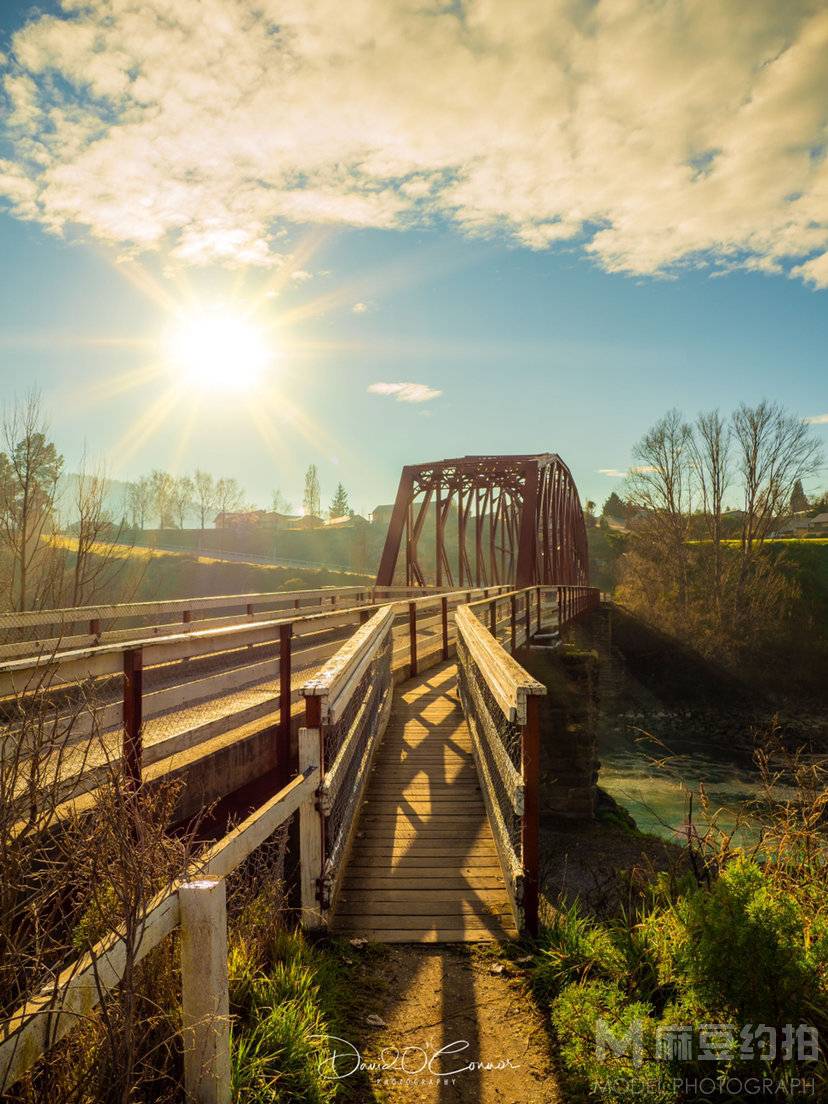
x,y
285,998
610,1077
748,949
573,948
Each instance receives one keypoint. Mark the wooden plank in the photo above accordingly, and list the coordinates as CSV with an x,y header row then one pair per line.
x,y
413,905
369,884
444,935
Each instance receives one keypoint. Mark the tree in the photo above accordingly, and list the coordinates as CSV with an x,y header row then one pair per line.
x,y
181,498
799,500
660,486
97,563
710,456
161,491
29,472
280,504
614,507
229,495
339,505
206,498
311,499
139,501
589,513
775,450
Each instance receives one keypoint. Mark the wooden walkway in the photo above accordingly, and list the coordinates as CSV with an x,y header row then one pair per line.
x,y
423,867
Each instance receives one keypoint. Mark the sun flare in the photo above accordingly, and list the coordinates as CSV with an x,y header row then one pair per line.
x,y
217,351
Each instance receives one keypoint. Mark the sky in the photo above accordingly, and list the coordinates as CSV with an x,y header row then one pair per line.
x,y
389,232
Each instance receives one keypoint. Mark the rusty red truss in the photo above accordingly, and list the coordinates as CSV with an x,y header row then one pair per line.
x,y
489,520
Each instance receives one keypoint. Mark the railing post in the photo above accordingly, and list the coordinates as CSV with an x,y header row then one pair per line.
x,y
249,609
528,614
513,619
493,617
560,613
283,736
132,751
540,600
204,991
311,821
412,636
95,627
530,825
444,615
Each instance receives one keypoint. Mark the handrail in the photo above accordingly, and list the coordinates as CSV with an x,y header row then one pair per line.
x,y
508,681
51,1014
111,611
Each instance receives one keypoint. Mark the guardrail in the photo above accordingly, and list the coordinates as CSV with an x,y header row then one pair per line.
x,y
147,619
197,905
500,701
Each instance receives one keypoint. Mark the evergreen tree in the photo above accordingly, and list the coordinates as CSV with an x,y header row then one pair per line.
x,y
339,505
614,507
799,501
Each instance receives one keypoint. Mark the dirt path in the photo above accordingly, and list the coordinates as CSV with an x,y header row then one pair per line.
x,y
428,998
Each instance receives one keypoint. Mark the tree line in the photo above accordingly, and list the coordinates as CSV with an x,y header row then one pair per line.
x,y
692,564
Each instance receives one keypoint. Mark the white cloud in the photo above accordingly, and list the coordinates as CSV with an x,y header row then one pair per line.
x,y
653,135
643,469
405,392
817,419
613,473
300,276
359,308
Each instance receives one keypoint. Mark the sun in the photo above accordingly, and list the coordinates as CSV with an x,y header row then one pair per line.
x,y
217,351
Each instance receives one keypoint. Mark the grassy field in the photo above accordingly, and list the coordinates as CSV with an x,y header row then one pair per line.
x,y
148,574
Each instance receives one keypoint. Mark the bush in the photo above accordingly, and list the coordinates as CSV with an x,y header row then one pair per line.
x,y
742,951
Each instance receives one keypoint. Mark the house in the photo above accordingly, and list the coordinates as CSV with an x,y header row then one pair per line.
x,y
381,515
346,521
306,521
255,519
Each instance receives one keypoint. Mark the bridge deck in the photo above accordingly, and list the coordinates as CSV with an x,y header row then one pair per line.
x,y
423,867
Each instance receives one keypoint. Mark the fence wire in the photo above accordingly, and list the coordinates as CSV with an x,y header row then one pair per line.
x,y
347,742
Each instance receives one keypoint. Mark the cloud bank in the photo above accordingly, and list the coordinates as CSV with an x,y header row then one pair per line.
x,y
405,392
651,135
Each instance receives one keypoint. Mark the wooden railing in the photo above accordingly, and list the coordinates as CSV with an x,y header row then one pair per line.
x,y
197,906
500,701
47,631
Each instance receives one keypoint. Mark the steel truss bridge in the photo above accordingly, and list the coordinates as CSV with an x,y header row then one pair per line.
x,y
517,519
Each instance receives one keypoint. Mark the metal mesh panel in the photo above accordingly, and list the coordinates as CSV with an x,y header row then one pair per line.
x,y
358,726
480,706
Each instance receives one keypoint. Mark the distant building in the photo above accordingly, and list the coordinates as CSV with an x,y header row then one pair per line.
x,y
346,521
255,519
804,527
381,515
306,521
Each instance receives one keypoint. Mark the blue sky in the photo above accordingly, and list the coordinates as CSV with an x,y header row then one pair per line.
x,y
541,325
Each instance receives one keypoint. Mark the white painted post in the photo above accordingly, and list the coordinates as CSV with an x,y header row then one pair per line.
x,y
205,998
310,833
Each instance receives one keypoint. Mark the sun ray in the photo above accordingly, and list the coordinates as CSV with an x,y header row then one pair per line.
x,y
143,427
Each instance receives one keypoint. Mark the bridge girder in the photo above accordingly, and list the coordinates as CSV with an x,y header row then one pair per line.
x,y
521,515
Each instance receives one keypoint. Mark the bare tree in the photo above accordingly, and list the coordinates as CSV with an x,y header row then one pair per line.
x,y
99,558
30,468
660,487
181,498
162,484
774,451
139,501
281,505
710,455
229,495
206,501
